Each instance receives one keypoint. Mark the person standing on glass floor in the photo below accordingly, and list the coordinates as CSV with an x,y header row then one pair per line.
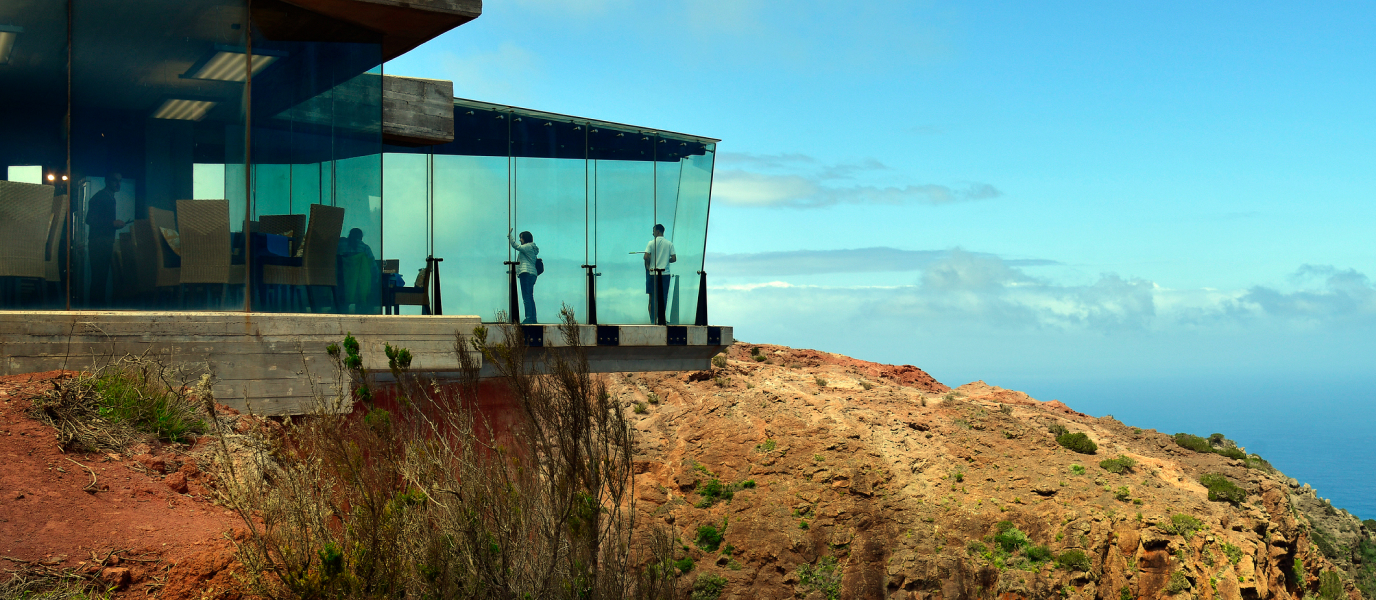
x,y
658,254
526,272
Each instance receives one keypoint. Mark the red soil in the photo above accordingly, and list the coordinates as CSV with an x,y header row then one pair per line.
x,y
150,511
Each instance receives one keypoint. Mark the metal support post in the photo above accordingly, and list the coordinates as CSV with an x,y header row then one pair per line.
x,y
513,296
592,293
438,301
701,321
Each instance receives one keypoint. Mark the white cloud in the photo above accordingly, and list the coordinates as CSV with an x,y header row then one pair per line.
x,y
747,188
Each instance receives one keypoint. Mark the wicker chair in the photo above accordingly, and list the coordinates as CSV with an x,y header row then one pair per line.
x,y
319,258
418,295
292,226
25,214
204,229
166,278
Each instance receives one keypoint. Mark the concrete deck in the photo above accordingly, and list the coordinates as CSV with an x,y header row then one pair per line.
x,y
276,363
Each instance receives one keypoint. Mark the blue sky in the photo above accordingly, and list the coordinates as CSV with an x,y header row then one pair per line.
x,y
1075,199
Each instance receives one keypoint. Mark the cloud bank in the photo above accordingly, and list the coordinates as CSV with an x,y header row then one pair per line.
x,y
968,291
801,181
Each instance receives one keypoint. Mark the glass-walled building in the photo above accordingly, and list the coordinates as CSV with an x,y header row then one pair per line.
x,y
235,155
590,195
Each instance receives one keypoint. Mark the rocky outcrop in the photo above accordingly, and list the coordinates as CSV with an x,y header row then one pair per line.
x,y
918,491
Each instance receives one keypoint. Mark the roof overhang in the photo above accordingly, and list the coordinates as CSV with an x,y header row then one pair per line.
x,y
404,24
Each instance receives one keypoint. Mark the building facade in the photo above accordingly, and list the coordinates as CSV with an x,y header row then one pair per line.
x,y
251,155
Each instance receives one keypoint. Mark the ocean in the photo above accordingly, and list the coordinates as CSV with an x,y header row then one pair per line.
x,y
1319,432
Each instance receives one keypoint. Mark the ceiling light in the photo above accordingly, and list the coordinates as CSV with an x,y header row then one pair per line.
x,y
228,64
7,35
183,110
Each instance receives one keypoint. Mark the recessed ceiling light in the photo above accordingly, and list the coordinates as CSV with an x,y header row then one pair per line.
x,y
228,64
183,110
8,33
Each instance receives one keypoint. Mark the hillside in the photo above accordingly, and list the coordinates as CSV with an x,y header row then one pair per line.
x,y
905,483
791,473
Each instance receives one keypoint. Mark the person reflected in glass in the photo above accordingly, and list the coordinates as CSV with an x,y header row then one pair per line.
x,y
354,244
526,253
358,271
102,225
658,254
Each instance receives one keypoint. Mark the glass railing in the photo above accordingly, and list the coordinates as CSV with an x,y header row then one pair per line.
x,y
588,195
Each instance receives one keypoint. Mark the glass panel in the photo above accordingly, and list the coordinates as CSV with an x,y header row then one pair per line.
x,y
689,233
471,208
33,146
406,220
317,163
623,175
549,182
156,89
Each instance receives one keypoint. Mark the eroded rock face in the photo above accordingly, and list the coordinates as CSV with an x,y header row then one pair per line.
x,y
904,483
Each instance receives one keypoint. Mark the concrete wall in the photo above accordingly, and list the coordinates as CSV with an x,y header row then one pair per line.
x,y
274,362
277,363
417,111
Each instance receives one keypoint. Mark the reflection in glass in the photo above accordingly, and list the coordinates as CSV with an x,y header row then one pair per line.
x,y
33,147
138,128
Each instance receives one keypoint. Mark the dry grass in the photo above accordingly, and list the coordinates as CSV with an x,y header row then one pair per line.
x,y
128,400
424,499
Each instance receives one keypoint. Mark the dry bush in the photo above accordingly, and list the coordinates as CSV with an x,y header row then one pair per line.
x,y
127,400
424,499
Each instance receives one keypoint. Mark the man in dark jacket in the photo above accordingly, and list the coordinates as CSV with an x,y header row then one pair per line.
x,y
102,224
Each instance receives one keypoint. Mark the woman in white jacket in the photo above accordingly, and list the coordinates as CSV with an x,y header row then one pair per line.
x,y
526,251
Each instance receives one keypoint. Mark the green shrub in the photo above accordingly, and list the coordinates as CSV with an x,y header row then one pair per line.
x,y
708,586
1077,469
975,548
1119,465
820,382
1073,560
869,386
684,564
719,361
1057,429
1331,586
652,398
1010,538
959,476
1122,493
709,538
1182,525
1178,583
640,408
1232,453
1077,442
1038,554
748,484
712,492
760,358
767,446
1193,442
1125,593
802,524
1222,489
824,577
1234,553
755,351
